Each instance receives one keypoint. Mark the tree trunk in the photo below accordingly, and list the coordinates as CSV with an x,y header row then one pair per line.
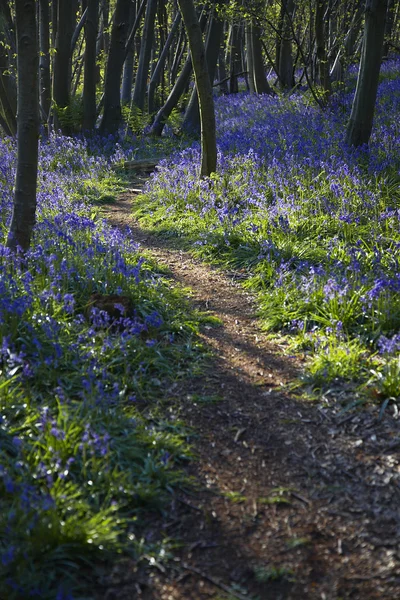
x,y
176,60
66,13
249,56
90,76
127,77
173,98
178,89
362,112
285,55
204,88
24,211
323,62
161,62
389,26
191,122
222,73
112,116
260,82
44,59
139,92
235,61
8,91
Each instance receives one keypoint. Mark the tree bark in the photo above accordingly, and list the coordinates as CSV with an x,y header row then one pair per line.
x,y
90,75
359,127
191,122
139,92
127,76
161,62
24,210
173,98
66,13
204,88
389,26
44,59
323,62
178,89
8,90
286,77
260,82
235,61
112,98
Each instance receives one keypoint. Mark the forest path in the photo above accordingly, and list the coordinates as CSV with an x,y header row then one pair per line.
x,y
292,501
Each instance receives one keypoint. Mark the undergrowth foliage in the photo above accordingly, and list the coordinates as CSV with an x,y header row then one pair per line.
x,y
84,451
313,224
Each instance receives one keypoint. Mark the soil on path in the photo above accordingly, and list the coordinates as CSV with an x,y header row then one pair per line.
x,y
293,502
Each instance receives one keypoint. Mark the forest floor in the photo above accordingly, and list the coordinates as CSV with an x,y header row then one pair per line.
x,y
292,498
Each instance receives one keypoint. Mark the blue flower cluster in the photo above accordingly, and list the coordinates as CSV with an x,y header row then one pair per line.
x,y
315,222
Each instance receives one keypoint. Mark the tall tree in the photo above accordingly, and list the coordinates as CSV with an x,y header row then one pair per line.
x,y
66,14
257,79
161,62
112,98
323,62
44,60
24,211
362,111
191,122
286,75
204,87
90,76
142,74
8,91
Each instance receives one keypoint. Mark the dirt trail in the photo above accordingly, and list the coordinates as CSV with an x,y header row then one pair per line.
x,y
293,503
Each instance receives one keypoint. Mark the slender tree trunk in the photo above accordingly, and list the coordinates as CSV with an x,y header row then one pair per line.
x,y
8,90
161,62
389,26
127,77
235,59
362,112
191,121
66,12
44,59
261,84
222,73
204,88
323,62
249,56
112,98
173,98
139,92
181,84
173,72
90,76
285,56
23,218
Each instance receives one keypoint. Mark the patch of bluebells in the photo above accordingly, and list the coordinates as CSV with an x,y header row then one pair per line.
x,y
59,354
320,220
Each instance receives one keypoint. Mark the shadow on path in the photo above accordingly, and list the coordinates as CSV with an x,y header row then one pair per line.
x,y
292,503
